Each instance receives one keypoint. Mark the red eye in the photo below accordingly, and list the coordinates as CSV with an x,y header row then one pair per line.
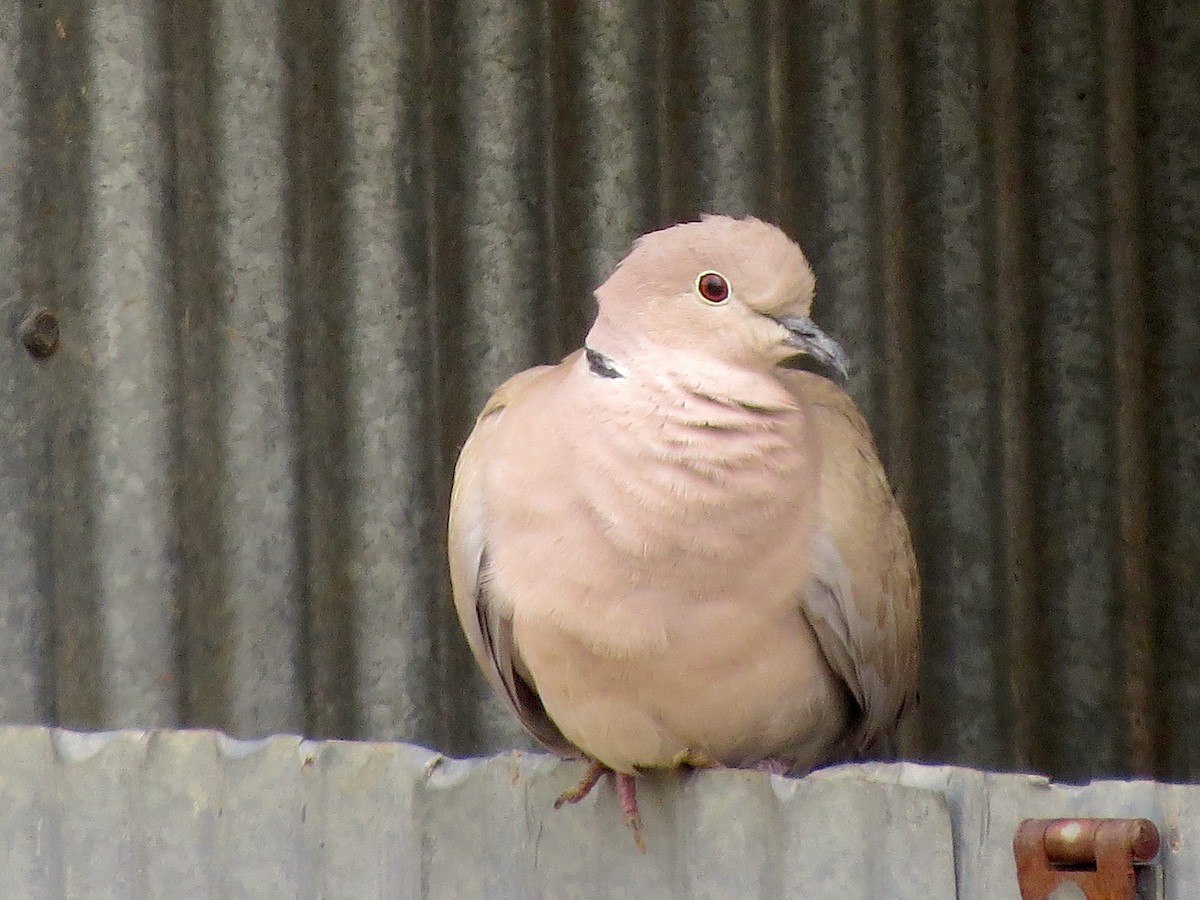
x,y
713,287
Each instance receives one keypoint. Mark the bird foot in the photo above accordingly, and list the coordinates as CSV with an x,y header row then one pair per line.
x,y
773,766
574,794
693,760
626,793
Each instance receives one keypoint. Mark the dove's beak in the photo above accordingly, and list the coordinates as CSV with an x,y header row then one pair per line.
x,y
806,338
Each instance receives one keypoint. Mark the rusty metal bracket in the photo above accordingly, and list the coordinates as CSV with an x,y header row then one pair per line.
x,y
1087,859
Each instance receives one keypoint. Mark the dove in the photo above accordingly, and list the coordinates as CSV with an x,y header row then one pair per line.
x,y
678,546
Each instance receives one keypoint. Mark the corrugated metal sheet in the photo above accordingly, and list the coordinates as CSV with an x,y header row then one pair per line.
x,y
293,246
195,814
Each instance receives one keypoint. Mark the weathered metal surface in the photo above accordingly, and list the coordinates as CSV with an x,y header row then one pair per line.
x,y
291,247
196,815
987,808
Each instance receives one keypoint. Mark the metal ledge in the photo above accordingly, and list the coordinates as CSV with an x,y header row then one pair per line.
x,y
195,814
185,814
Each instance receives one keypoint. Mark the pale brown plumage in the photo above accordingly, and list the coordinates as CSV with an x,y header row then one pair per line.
x,y
673,549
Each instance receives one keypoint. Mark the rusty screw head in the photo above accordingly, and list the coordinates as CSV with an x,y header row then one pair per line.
x,y
39,333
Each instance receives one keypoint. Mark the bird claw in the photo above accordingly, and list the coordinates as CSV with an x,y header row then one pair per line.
x,y
574,794
772,766
626,792
693,760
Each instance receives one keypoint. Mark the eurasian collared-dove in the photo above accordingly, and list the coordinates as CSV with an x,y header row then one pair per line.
x,y
673,547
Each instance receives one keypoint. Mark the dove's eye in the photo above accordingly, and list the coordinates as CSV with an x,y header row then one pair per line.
x,y
713,287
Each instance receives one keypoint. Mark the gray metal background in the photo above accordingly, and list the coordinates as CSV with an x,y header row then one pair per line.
x,y
295,245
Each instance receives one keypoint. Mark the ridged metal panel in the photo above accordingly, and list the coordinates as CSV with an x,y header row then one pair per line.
x,y
293,247
986,808
194,814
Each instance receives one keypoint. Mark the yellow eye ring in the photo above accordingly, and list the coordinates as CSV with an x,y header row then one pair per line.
x,y
713,288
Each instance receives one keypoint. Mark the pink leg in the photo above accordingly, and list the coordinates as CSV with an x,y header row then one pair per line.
x,y
627,791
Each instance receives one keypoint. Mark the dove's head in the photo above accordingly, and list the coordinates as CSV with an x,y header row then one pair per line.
x,y
738,290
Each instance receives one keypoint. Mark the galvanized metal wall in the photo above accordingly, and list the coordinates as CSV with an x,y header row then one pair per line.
x,y
197,815
292,248
185,815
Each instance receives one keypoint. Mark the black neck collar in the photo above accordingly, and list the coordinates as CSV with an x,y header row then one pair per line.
x,y
601,365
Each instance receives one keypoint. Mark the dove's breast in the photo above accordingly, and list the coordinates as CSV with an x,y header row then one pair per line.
x,y
663,618
649,507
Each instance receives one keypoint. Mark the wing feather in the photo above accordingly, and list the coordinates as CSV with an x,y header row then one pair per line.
x,y
863,600
487,622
